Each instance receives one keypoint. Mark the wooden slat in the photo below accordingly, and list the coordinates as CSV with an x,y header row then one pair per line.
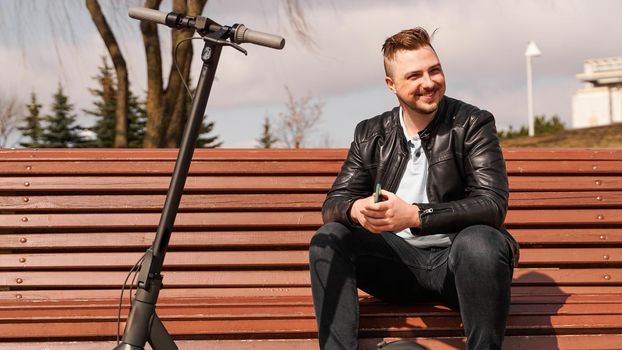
x,y
567,199
583,301
516,167
520,293
566,291
202,202
254,238
391,326
114,279
125,260
567,217
274,278
171,154
267,310
239,330
562,256
565,183
540,342
165,167
56,296
571,236
142,221
566,299
161,183
269,307
242,167
555,154
257,259
534,342
250,344
301,219
546,276
179,239
127,203
270,183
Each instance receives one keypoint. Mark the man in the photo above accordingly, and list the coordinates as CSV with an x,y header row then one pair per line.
x,y
437,233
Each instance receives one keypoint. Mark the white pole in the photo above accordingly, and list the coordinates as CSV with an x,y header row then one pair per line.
x,y
531,51
530,115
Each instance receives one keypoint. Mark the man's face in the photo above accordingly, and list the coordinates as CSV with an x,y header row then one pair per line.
x,y
416,77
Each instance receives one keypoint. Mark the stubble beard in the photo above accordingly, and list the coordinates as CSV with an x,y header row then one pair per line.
x,y
422,108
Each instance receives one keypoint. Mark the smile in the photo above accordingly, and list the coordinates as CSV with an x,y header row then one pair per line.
x,y
428,95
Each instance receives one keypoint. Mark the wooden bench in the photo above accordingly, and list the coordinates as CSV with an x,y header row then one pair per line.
x,y
73,223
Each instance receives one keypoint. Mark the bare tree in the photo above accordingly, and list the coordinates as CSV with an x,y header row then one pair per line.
x,y
122,109
166,110
10,118
299,119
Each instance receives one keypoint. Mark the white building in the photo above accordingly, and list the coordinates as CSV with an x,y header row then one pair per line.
x,y
600,101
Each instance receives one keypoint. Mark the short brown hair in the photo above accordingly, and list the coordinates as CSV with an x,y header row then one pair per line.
x,y
408,39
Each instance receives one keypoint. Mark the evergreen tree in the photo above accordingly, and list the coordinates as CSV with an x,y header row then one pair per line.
x,y
61,130
105,105
33,129
105,111
137,121
542,125
205,141
267,140
548,126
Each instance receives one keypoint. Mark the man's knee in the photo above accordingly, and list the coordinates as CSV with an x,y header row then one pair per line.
x,y
481,245
331,236
330,232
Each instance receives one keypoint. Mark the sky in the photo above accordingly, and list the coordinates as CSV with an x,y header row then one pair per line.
x,y
480,43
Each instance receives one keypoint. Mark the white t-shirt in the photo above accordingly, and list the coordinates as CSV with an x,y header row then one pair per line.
x,y
412,189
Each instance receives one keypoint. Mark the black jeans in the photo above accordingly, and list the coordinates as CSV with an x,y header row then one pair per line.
x,y
473,274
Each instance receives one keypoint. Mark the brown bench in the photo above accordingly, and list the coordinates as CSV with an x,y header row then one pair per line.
x,y
73,222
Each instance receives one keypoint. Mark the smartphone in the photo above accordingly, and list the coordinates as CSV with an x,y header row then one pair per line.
x,y
377,193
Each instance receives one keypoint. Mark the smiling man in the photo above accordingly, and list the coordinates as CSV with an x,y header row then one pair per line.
x,y
437,233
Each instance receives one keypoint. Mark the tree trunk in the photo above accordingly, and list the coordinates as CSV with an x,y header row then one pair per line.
x,y
121,112
175,111
166,112
179,115
154,128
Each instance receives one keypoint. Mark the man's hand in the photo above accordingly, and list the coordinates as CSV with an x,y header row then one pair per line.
x,y
392,214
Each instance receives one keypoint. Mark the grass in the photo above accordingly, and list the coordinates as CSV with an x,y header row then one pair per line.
x,y
609,136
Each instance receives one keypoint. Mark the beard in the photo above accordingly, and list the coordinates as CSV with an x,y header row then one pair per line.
x,y
418,106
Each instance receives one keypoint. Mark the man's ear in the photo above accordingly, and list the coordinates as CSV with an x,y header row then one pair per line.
x,y
390,84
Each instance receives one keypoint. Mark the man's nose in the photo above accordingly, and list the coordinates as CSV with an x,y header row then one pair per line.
x,y
428,83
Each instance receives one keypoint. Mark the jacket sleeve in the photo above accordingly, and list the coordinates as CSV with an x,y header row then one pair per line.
x,y
352,182
486,190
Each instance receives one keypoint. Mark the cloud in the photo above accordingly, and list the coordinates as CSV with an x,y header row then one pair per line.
x,y
481,44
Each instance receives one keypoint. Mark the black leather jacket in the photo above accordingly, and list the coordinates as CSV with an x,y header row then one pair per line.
x,y
467,180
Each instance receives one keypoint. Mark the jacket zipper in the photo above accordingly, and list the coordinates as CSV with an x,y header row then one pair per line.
x,y
431,211
427,211
401,168
402,162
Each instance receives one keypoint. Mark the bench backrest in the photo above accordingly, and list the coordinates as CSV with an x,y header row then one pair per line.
x,y
73,222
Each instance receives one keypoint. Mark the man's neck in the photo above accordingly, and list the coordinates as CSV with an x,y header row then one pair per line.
x,y
415,121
